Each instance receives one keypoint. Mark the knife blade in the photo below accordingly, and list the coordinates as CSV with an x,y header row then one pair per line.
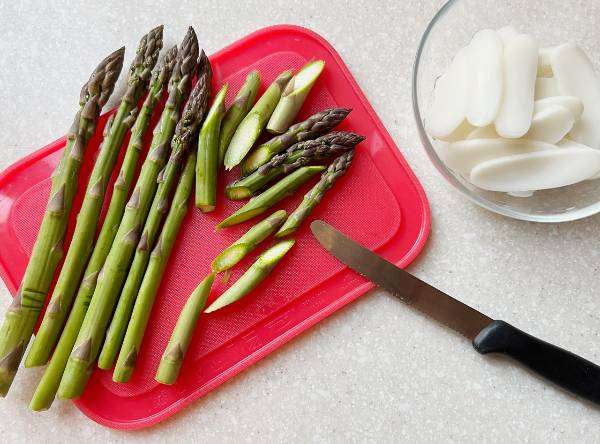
x,y
569,371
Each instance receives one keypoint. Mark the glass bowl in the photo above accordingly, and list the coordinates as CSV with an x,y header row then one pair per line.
x,y
552,22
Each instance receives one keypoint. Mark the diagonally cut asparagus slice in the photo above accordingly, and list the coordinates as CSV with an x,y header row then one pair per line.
x,y
257,273
255,121
248,242
293,97
271,196
237,111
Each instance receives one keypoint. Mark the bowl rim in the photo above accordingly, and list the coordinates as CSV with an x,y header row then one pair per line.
x,y
590,210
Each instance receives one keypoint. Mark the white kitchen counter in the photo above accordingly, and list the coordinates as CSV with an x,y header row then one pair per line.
x,y
376,371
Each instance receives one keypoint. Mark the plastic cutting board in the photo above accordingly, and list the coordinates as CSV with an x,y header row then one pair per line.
x,y
379,203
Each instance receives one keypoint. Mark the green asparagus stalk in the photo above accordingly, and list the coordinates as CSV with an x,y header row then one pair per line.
x,y
316,125
106,291
154,273
261,203
185,134
255,121
237,111
22,314
257,273
48,385
208,154
89,214
248,242
293,97
296,156
336,170
172,359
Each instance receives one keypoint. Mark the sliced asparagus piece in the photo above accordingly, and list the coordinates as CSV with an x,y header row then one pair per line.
x,y
208,154
92,330
185,134
22,315
154,273
311,199
172,359
261,203
293,158
248,242
87,221
316,125
293,97
237,111
257,273
255,121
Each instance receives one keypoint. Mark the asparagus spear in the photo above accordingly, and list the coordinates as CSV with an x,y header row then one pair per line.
x,y
248,242
172,359
208,154
294,96
257,273
337,169
293,158
316,125
89,214
237,111
87,344
154,273
48,385
255,121
261,203
185,134
22,314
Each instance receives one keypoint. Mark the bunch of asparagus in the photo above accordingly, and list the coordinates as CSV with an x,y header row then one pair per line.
x,y
102,301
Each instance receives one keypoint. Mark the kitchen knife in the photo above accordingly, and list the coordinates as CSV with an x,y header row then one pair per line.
x,y
562,367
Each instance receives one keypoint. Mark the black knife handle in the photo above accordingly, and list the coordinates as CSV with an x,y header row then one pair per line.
x,y
562,367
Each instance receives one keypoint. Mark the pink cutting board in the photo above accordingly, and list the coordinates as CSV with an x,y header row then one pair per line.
x,y
379,202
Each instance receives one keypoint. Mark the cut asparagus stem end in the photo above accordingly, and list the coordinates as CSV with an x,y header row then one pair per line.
x,y
168,371
254,276
75,386
36,406
123,375
206,208
238,193
242,140
229,257
294,96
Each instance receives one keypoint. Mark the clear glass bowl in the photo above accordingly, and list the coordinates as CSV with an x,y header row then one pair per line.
x,y
552,22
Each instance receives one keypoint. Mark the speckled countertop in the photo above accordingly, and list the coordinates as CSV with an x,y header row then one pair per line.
x,y
376,371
